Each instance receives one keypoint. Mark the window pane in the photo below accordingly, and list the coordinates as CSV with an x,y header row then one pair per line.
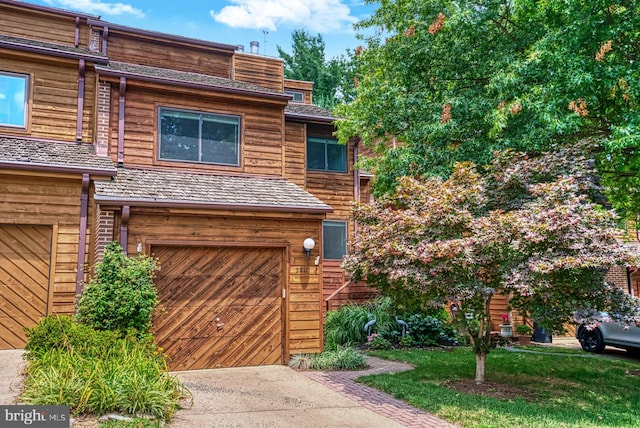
x,y
220,140
334,243
179,132
315,155
337,157
13,90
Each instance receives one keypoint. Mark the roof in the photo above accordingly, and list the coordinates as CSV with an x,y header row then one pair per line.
x,y
183,78
143,187
308,112
57,156
53,49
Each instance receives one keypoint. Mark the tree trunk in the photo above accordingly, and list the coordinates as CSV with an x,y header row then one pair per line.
x,y
481,359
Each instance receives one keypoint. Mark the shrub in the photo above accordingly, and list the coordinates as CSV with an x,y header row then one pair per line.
x,y
379,343
121,296
97,372
427,330
342,358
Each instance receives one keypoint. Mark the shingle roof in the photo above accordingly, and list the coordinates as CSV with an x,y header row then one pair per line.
x,y
34,154
167,188
308,111
183,77
50,48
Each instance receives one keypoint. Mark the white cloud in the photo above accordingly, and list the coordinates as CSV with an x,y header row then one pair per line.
x,y
99,8
314,15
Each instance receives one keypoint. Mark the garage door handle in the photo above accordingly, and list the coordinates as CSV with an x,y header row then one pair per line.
x,y
219,326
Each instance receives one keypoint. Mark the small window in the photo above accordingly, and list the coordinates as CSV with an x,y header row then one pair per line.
x,y
13,100
199,137
325,154
334,239
298,96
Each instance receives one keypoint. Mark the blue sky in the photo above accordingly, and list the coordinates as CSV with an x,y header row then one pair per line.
x,y
235,22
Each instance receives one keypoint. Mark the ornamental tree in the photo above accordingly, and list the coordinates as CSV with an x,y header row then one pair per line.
x,y
527,228
455,80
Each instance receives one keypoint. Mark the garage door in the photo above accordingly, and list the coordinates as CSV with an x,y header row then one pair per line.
x,y
219,307
25,254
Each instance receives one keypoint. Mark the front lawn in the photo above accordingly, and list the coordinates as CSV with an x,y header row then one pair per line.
x,y
523,389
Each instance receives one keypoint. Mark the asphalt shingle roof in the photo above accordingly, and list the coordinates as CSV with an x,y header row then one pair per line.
x,y
44,154
151,187
183,77
308,111
64,50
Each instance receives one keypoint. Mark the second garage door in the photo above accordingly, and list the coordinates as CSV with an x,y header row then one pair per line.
x,y
219,306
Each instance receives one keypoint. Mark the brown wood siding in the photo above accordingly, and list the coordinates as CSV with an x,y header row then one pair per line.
x,y
53,202
261,134
228,229
295,150
301,86
25,253
258,70
30,24
156,53
54,96
219,307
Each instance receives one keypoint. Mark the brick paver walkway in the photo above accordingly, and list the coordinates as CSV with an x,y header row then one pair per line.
x,y
374,400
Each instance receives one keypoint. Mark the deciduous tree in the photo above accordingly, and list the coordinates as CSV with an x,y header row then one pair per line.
x,y
526,227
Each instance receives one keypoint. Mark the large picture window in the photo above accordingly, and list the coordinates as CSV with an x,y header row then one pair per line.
x,y
334,239
13,99
325,154
199,137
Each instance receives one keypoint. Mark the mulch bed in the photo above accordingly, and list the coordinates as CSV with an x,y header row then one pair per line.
x,y
489,389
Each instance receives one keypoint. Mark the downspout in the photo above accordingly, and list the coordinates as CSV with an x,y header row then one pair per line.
x,y
356,183
77,37
121,101
84,208
629,282
81,73
124,228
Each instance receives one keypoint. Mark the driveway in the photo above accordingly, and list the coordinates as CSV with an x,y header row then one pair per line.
x,y
272,396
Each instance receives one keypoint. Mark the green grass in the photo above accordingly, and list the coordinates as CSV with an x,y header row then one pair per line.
x,y
568,390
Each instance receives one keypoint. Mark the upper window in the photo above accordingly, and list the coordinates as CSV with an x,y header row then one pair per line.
x,y
13,99
199,137
334,239
325,154
297,96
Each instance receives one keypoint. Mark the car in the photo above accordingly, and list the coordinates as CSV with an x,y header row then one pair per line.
x,y
609,333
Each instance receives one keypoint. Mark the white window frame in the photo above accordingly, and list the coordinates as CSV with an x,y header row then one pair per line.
x,y
6,100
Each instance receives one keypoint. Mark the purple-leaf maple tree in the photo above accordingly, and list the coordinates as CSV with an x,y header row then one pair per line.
x,y
526,227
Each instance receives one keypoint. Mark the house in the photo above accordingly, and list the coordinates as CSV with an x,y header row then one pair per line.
x,y
195,152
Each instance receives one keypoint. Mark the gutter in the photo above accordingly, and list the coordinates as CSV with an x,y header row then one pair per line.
x,y
98,59
32,166
121,105
84,209
124,228
172,203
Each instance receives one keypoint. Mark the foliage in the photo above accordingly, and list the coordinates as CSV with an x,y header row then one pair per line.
x,y
560,388
428,330
341,358
444,81
378,342
526,228
121,295
345,326
333,79
97,372
524,329
407,342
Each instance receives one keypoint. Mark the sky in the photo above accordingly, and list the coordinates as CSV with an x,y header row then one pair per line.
x,y
235,22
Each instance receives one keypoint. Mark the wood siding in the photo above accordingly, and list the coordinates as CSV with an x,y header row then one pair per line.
x,y
25,255
295,153
220,307
261,128
137,49
300,86
53,96
52,202
32,24
303,293
258,70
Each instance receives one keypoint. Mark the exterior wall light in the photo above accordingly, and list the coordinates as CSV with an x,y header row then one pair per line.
x,y
308,245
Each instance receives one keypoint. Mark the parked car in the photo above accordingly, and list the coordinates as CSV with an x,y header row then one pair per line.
x,y
609,333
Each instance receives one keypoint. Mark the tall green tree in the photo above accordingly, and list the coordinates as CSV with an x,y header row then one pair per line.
x,y
333,78
526,228
445,81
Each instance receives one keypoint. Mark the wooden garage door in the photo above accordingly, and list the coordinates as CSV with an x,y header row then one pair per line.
x,y
219,307
25,254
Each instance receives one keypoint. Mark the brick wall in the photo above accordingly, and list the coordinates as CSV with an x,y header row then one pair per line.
x,y
617,275
104,232
102,120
